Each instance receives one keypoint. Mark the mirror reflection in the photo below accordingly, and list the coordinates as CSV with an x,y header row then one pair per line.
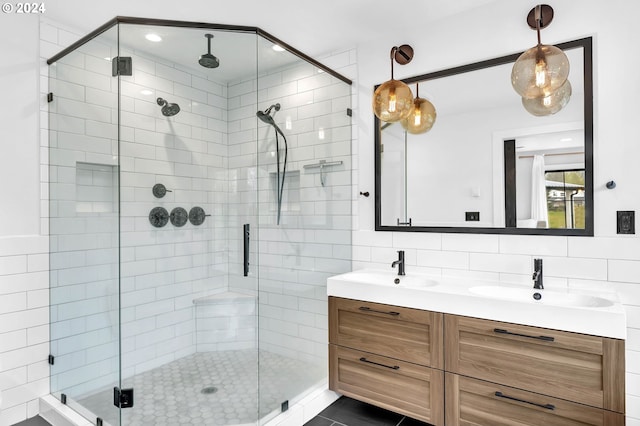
x,y
488,165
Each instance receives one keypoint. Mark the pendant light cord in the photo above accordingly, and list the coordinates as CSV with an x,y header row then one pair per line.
x,y
538,17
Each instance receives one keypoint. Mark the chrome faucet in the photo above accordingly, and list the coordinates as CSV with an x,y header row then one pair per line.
x,y
537,274
399,262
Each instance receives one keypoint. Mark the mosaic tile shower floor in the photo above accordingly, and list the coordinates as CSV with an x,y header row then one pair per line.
x,y
172,394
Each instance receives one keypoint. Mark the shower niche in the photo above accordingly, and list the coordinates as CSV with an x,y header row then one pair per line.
x,y
164,308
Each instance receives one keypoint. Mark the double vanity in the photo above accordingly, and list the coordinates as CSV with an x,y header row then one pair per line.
x,y
455,352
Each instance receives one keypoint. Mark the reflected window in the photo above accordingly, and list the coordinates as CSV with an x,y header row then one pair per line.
x,y
565,198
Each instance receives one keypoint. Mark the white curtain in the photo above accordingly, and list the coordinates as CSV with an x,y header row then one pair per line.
x,y
539,211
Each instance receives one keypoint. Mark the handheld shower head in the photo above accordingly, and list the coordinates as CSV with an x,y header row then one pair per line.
x,y
168,109
207,60
274,106
266,117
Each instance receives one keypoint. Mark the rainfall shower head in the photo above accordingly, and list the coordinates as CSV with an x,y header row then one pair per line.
x,y
168,109
207,60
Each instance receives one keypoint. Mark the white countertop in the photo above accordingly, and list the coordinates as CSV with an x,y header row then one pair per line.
x,y
605,317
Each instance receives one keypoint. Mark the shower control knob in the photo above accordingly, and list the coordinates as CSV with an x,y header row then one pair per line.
x,y
158,217
197,216
178,217
159,190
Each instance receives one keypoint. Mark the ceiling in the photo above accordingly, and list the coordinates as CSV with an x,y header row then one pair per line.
x,y
313,27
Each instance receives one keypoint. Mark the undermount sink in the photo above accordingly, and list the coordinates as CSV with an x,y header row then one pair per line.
x,y
390,278
540,296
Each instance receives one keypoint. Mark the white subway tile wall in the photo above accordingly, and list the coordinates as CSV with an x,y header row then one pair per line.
x,y
24,330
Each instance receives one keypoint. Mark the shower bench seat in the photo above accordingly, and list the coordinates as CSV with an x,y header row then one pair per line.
x,y
225,321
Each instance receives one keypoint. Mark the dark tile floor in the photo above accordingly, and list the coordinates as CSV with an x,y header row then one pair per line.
x,y
349,412
34,421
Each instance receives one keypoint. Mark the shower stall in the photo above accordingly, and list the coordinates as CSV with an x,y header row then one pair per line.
x,y
193,223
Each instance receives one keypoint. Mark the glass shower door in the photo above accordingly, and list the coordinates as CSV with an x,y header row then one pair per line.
x,y
84,229
304,187
188,335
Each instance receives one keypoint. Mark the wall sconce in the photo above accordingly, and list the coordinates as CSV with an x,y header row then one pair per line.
x,y
421,116
540,74
393,100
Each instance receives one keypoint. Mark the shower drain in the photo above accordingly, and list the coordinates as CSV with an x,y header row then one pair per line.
x,y
209,390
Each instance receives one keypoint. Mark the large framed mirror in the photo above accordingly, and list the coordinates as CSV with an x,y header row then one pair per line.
x,y
488,165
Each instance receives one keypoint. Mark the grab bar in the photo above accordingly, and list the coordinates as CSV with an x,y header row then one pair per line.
x,y
245,231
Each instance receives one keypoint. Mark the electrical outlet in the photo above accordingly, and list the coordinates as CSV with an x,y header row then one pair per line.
x,y
472,216
626,223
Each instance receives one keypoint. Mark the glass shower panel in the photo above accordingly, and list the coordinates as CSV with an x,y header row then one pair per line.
x,y
305,196
84,229
188,339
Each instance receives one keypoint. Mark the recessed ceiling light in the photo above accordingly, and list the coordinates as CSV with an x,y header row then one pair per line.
x,y
278,48
153,37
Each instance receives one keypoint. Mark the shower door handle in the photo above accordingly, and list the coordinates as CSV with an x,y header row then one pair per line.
x,y
245,232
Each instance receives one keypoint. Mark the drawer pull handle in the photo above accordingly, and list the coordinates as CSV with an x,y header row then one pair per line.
x,y
546,406
395,367
367,309
545,338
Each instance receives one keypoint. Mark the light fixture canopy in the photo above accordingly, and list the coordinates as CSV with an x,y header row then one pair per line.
x,y
543,69
421,117
393,100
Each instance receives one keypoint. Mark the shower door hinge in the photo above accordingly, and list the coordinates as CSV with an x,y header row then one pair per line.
x,y
52,359
123,398
121,65
50,97
349,112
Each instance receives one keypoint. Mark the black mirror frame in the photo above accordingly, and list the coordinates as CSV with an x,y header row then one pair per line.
x,y
587,45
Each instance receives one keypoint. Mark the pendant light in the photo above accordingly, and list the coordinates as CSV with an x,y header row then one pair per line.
x,y
547,105
421,117
543,69
393,100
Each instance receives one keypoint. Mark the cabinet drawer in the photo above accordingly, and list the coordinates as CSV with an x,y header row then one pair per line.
x,y
402,333
406,388
478,403
571,366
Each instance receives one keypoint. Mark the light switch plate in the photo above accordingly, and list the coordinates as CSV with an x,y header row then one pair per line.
x,y
472,216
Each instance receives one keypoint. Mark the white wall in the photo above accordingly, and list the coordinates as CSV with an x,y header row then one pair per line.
x,y
606,261
19,82
24,295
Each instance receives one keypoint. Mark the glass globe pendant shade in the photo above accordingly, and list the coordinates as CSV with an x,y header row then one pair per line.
x,y
539,71
550,104
392,101
421,117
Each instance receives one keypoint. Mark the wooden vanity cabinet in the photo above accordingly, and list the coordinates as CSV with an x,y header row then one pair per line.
x,y
585,369
472,402
462,371
385,355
